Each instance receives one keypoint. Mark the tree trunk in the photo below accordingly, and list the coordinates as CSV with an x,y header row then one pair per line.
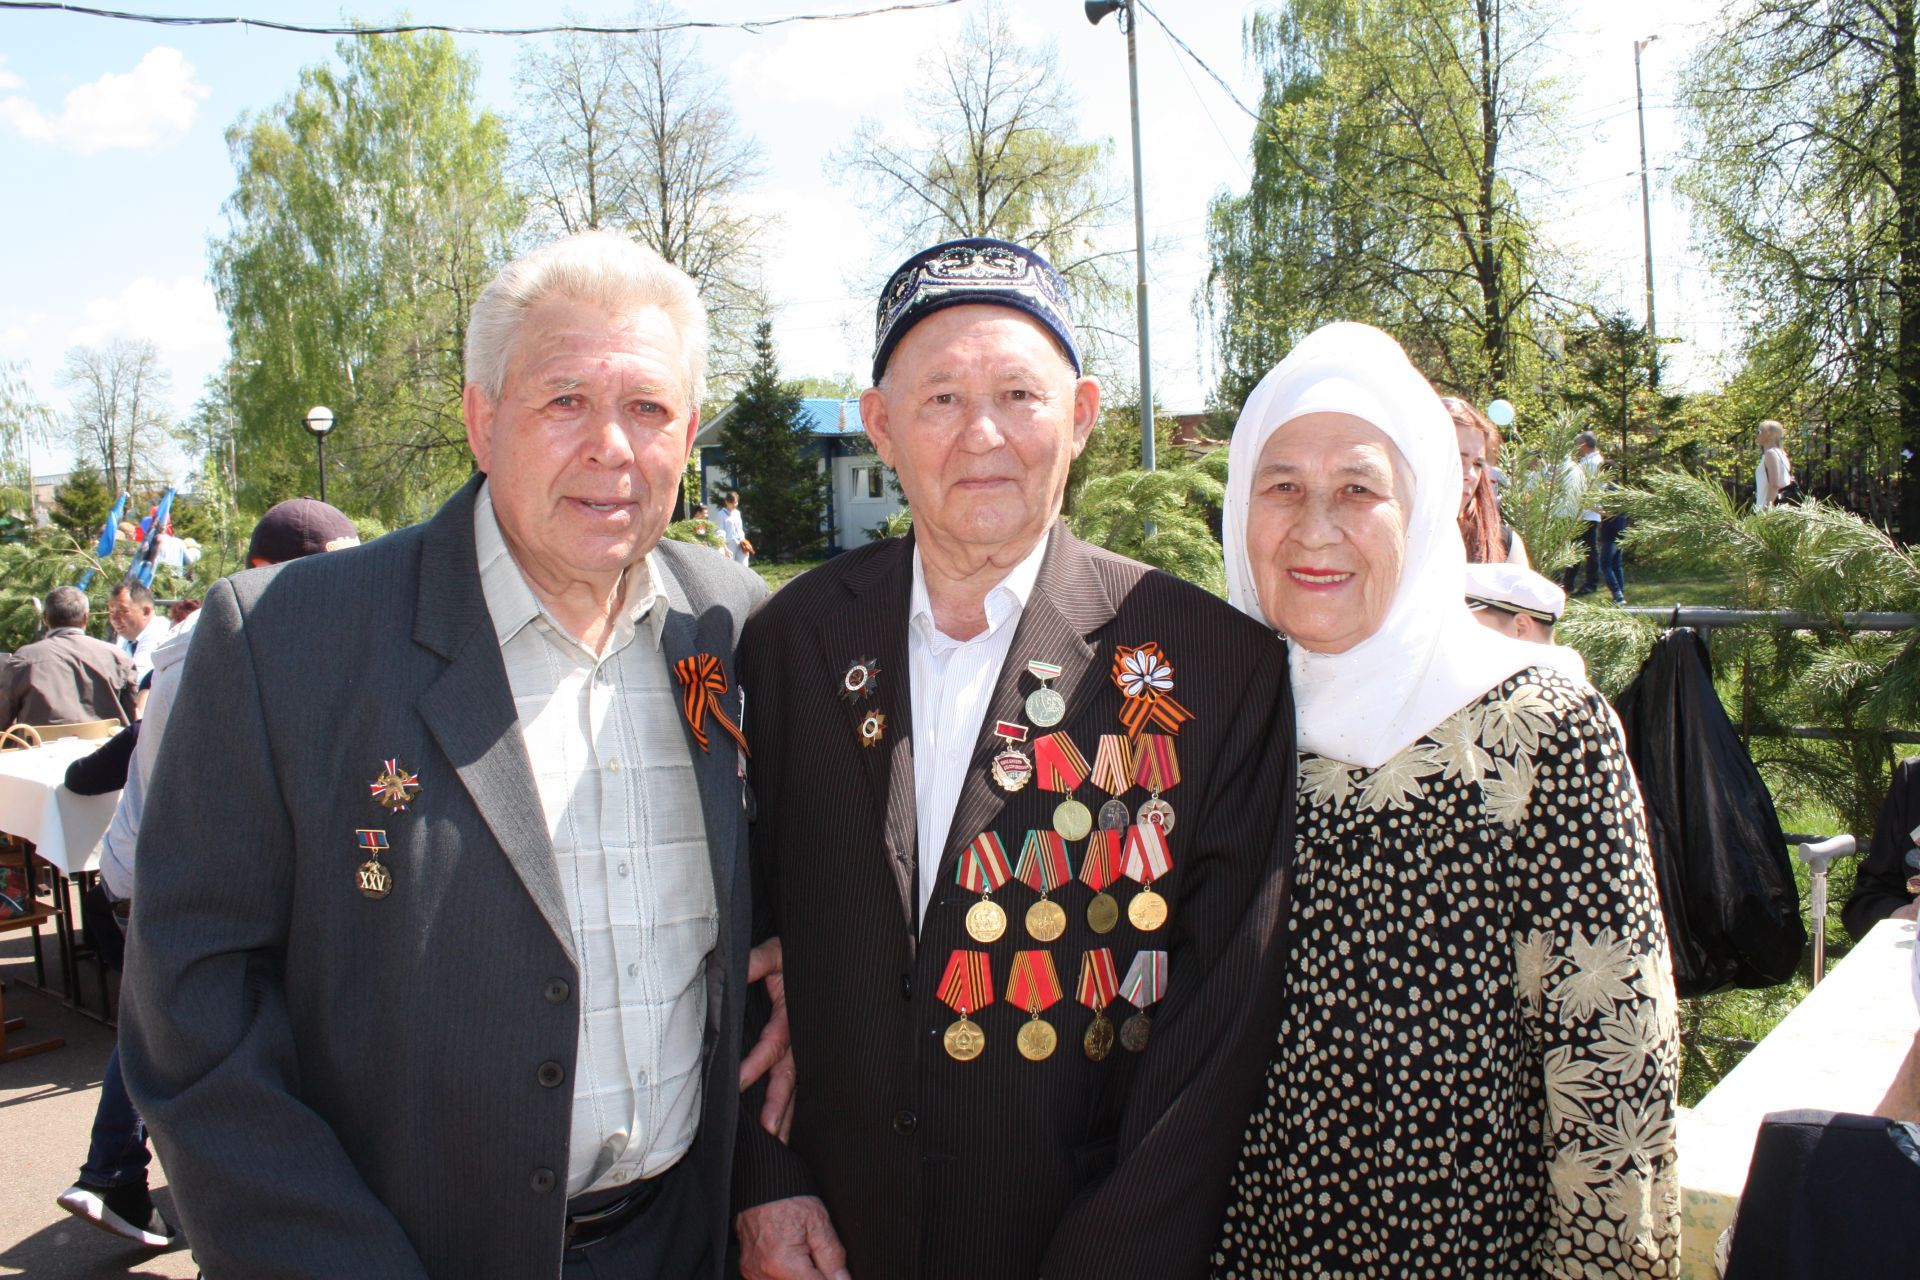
x,y
1486,254
1906,361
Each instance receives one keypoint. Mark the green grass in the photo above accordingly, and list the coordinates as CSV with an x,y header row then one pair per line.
x,y
1664,584
778,575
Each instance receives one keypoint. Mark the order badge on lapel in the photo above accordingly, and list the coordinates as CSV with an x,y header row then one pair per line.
x,y
396,786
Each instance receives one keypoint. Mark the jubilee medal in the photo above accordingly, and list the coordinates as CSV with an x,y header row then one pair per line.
x,y
1145,983
1060,767
1045,707
1043,868
1035,987
1097,870
982,869
966,988
1098,986
1113,774
373,879
1146,859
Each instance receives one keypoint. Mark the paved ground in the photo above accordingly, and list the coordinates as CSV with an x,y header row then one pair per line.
x,y
46,1112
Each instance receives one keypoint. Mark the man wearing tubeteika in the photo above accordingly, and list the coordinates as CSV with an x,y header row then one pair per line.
x,y
1022,811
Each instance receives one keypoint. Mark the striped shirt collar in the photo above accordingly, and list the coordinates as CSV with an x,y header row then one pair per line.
x,y
512,604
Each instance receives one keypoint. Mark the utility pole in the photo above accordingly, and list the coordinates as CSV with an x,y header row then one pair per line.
x,y
1646,215
1096,10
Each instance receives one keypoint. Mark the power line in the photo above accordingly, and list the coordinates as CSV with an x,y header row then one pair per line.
x,y
268,24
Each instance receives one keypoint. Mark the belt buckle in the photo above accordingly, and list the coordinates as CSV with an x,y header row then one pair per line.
x,y
576,1223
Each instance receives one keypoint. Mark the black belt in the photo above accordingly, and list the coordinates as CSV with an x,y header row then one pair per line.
x,y
593,1217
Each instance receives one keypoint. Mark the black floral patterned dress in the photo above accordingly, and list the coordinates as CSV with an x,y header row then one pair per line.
x,y
1477,1070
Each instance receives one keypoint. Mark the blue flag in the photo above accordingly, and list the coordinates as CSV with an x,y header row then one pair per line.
x,y
111,530
142,569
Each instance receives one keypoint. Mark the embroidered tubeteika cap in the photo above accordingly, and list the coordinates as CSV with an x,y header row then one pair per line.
x,y
994,272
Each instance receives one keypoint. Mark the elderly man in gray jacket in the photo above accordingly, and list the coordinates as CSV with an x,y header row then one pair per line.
x,y
441,941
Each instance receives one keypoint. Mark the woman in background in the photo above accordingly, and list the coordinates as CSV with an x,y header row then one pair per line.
x,y
1489,538
1773,476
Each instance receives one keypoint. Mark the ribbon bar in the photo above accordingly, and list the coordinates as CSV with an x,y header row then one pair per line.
x,y
1043,862
1044,671
967,986
706,684
1011,730
374,842
1146,979
1034,984
1098,983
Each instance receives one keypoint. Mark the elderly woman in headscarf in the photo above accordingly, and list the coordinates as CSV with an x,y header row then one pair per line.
x,y
1476,1066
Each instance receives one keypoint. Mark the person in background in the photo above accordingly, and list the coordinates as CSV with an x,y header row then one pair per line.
x,y
111,1191
1773,474
1887,885
179,611
67,676
1515,601
733,530
1489,538
1477,1064
130,614
1579,477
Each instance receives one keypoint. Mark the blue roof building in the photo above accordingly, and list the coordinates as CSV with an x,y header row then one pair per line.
x,y
862,495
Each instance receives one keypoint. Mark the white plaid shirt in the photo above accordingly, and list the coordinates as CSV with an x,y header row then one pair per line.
x,y
617,788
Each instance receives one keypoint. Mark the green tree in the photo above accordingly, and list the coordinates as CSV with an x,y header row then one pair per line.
x,y
993,151
1385,165
370,209
80,505
24,423
783,489
1605,379
1806,191
1164,518
119,416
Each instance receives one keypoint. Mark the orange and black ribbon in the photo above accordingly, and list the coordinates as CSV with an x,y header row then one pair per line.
x,y
967,985
1102,860
705,682
1098,982
1145,679
1034,984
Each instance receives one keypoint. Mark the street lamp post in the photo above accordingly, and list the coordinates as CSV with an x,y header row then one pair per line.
x,y
319,420
1096,10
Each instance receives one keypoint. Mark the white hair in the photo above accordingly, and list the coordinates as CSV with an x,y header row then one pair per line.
x,y
603,269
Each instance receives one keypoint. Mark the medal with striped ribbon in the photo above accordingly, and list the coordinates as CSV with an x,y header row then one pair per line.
x,y
1045,706
1035,987
1098,867
1156,767
982,869
1113,774
1146,859
1145,983
1059,766
1098,986
1043,868
966,988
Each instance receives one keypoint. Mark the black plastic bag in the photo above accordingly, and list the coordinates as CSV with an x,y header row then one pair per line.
x,y
1726,885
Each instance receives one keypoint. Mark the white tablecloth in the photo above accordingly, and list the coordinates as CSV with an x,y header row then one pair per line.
x,y
1839,1050
36,805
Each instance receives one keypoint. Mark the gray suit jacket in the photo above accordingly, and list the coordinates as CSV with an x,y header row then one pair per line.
x,y
340,1086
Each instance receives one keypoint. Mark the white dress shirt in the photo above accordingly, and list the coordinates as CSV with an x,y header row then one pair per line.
x,y
952,684
141,647
617,788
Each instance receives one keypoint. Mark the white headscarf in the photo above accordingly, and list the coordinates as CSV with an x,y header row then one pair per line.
x,y
1430,657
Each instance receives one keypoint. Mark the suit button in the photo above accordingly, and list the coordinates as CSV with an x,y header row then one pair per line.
x,y
557,991
542,1180
906,986
550,1075
905,1122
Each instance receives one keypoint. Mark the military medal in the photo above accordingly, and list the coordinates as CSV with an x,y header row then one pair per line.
x,y
1097,870
395,788
873,727
1058,764
1035,987
1145,983
373,878
1011,768
1043,868
861,679
1045,706
1146,858
1157,767
982,869
1145,680
1113,774
966,988
1098,986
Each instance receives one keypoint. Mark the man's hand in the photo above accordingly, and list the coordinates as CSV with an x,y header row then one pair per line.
x,y
1907,912
773,1053
790,1240
747,547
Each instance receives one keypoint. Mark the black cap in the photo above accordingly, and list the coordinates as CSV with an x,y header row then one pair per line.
x,y
300,527
958,272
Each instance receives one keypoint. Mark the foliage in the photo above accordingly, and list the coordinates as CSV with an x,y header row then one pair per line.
x,y
24,423
119,416
897,525
81,504
993,152
634,133
783,490
36,565
1385,188
703,533
1538,499
1806,191
1113,447
1606,380
1163,518
369,210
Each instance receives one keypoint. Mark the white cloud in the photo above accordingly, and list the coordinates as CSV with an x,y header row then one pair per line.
x,y
154,103
8,80
179,316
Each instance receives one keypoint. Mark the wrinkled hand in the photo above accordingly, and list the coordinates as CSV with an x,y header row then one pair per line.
x,y
772,1054
790,1239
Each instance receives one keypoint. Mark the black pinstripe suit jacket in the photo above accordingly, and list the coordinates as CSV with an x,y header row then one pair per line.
x,y
1002,1168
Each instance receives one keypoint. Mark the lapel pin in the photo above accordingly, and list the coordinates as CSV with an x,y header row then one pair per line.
x,y
396,786
704,690
873,727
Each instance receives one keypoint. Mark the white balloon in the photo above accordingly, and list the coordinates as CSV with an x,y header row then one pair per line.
x,y
1500,413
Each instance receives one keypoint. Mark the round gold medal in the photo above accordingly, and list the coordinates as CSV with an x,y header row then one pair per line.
x,y
1103,913
1099,1038
1134,1032
964,1040
1038,1040
1147,911
1046,920
986,921
1158,813
1072,820
374,879
1046,708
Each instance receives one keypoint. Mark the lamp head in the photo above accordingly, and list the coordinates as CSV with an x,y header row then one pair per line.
x,y
319,420
1098,9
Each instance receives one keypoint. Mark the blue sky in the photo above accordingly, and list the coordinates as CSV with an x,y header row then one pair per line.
x,y
111,138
